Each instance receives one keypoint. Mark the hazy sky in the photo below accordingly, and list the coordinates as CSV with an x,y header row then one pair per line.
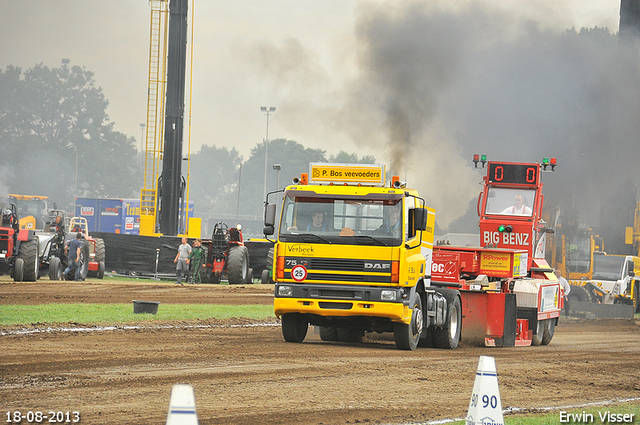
x,y
311,59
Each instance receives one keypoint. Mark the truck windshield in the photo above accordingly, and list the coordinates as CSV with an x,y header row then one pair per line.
x,y
362,220
505,201
608,267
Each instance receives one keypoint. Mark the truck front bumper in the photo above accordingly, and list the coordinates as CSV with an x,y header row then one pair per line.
x,y
343,301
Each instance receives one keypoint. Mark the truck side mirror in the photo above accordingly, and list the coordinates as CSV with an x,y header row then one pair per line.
x,y
269,219
420,219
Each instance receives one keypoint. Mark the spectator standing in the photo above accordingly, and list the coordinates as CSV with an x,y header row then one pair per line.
x,y
181,260
196,260
567,288
75,251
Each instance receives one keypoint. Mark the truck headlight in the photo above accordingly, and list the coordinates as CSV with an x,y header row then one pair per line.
x,y
387,295
285,291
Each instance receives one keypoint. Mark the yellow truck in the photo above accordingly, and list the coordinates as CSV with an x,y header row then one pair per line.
x,y
354,255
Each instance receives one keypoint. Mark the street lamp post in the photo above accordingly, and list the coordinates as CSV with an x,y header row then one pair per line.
x,y
267,111
142,126
277,167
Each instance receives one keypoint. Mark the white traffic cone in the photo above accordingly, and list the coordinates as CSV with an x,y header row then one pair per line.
x,y
485,406
182,407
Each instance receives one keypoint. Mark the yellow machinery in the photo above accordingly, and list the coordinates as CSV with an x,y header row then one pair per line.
x,y
632,234
155,113
33,211
154,142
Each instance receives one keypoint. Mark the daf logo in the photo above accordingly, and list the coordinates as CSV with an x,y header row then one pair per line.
x,y
377,266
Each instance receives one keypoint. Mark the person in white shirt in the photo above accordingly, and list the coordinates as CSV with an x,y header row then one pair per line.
x,y
519,208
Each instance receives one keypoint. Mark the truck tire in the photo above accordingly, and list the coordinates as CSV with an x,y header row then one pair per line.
x,y
238,265
55,269
549,330
407,336
538,333
294,327
18,270
349,334
328,333
28,251
264,277
449,335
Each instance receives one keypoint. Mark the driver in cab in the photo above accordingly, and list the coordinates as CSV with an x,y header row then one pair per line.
x,y
518,208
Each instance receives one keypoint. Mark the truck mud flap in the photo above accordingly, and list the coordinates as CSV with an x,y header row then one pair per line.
x,y
590,310
489,316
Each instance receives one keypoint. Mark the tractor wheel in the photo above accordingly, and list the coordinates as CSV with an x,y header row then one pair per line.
x,y
100,273
250,276
18,270
55,269
264,277
100,251
328,333
579,294
449,335
294,327
538,333
636,295
407,336
238,265
549,330
29,253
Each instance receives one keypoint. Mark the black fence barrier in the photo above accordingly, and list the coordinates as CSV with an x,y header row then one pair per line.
x,y
137,254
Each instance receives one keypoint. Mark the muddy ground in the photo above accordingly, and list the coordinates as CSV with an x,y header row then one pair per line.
x,y
243,371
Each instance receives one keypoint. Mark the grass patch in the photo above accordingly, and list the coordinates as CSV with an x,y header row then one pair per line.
x,y
101,313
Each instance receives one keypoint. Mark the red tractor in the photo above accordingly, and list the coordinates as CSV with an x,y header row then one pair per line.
x,y
227,256
18,248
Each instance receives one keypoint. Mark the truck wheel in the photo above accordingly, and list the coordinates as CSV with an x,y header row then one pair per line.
x,y
328,333
55,269
449,335
238,265
349,334
18,270
549,330
100,273
264,277
538,333
294,327
407,336
29,253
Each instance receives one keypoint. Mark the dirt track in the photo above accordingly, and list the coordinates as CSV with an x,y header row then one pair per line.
x,y
248,374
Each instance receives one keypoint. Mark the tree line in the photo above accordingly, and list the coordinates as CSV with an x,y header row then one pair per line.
x,y
56,140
